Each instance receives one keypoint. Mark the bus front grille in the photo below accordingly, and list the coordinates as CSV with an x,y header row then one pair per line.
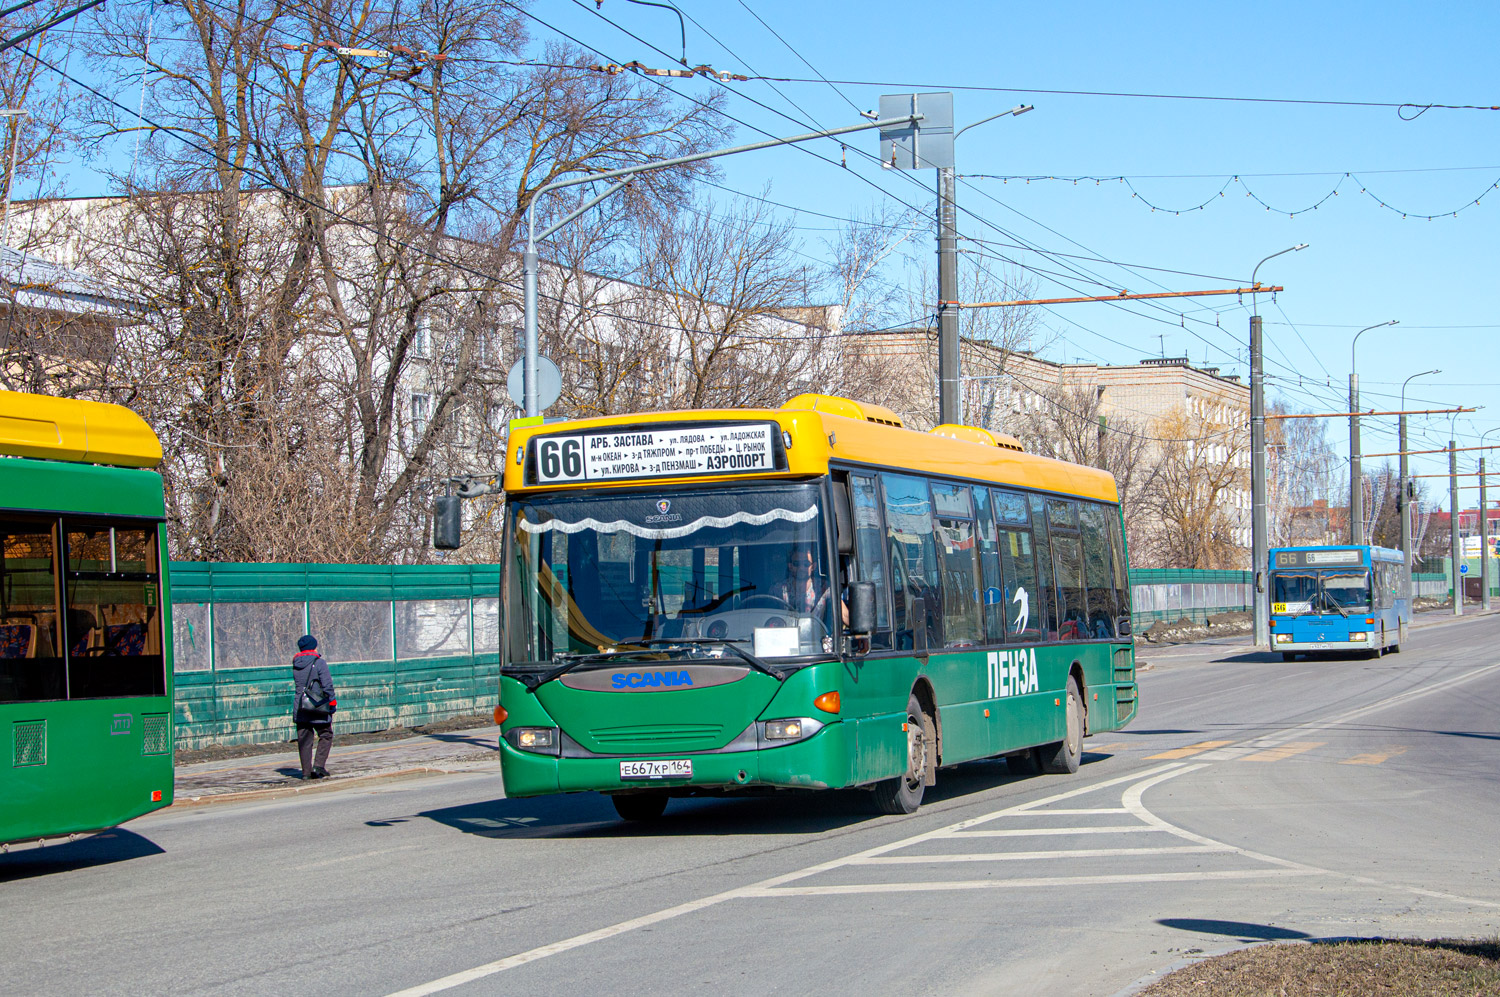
x,y
658,737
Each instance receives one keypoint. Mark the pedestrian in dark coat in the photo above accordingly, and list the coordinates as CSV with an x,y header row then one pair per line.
x,y
308,667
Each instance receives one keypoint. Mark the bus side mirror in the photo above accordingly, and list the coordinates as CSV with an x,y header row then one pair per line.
x,y
861,607
447,523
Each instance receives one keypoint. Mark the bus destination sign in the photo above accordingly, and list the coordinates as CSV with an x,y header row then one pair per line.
x,y
1313,558
649,452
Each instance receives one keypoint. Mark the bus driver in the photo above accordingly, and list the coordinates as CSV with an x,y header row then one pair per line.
x,y
803,590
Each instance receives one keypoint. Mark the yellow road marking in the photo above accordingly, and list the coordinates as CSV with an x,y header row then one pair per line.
x,y
1283,751
1375,757
1191,749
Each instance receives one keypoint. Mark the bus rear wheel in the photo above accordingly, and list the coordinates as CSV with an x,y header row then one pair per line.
x,y
903,794
640,806
1062,757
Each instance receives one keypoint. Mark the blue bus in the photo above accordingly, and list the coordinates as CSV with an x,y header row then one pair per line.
x,y
1338,599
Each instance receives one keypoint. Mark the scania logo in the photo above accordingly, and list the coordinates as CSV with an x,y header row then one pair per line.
x,y
664,506
654,680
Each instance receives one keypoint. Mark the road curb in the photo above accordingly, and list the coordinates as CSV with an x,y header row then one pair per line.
x,y
334,784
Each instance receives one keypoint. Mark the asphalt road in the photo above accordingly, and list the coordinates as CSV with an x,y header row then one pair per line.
x,y
1251,799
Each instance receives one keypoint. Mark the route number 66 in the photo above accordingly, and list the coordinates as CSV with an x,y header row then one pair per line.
x,y
560,460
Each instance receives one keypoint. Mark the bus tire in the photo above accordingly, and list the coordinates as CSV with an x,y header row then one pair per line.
x,y
903,794
1288,655
1062,757
640,806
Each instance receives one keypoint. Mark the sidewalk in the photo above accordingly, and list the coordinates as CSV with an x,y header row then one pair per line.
x,y
280,774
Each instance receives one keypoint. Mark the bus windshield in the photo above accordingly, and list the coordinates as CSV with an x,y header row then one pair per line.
x,y
1320,591
691,569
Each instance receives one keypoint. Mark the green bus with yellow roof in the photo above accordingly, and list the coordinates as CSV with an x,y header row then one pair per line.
x,y
806,598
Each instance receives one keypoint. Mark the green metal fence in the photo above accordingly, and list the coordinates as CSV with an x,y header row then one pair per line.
x,y
407,644
1171,594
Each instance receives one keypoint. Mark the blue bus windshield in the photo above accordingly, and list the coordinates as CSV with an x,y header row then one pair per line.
x,y
1320,591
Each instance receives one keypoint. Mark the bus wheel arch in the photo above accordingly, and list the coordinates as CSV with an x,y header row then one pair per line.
x,y
933,720
1075,672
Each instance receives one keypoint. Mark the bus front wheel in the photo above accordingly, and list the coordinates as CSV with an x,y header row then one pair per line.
x,y
1062,757
903,794
640,806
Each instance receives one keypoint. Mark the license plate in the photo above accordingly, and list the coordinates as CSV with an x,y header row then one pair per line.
x,y
681,768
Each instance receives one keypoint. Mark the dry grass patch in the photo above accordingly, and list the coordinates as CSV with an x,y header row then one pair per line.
x,y
1377,967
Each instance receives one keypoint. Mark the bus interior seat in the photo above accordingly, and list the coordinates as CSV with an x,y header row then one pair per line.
x,y
17,640
125,639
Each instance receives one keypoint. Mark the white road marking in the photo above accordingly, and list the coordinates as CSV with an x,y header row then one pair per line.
x,y
1001,884
1028,832
577,941
1060,853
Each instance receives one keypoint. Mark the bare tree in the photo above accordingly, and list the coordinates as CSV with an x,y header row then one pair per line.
x,y
1203,471
325,254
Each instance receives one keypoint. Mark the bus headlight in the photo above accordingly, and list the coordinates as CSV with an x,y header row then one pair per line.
x,y
790,730
1359,635
542,740
1282,638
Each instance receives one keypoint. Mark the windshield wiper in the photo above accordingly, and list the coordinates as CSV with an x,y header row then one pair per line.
x,y
732,644
1330,600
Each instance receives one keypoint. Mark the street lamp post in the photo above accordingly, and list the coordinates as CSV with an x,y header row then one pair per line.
x,y
1453,545
530,263
1258,526
1356,476
1484,530
1403,500
949,362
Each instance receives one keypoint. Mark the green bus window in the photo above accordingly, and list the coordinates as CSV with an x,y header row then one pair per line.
x,y
988,541
914,560
869,553
31,664
1122,575
1044,604
1098,570
959,576
1067,561
1021,597
113,612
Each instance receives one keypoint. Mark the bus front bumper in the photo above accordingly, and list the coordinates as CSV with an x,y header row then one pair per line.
x,y
819,762
1364,641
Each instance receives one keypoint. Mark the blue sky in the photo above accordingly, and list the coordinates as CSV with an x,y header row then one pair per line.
x,y
1365,263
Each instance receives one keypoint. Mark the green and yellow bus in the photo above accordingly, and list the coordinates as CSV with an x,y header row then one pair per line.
x,y
811,597
85,662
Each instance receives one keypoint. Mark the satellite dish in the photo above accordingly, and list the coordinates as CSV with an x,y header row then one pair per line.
x,y
548,384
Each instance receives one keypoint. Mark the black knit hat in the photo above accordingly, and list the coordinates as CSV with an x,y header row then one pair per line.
x,y
306,642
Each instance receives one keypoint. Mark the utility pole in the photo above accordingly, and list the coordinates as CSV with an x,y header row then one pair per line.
x,y
948,308
1259,528
1259,547
1484,543
1453,546
1403,501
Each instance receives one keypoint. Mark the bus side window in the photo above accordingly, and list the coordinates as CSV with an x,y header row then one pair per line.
x,y
959,569
908,519
31,663
113,618
1044,607
869,553
1098,570
993,593
1067,561
1021,602
1122,576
